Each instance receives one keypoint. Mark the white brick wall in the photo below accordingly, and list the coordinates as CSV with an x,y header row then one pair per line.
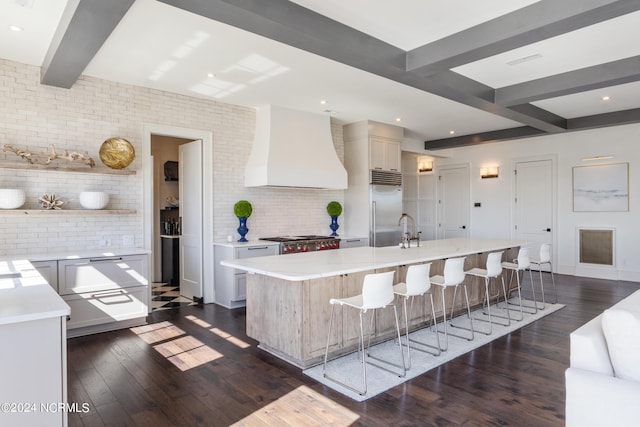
x,y
32,116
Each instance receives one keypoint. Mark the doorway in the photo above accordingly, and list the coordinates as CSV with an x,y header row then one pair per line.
x,y
152,212
166,290
533,202
453,201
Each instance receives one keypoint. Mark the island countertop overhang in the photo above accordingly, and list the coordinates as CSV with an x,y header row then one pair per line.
x,y
315,265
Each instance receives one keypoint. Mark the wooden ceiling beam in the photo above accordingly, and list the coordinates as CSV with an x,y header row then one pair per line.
x,y
83,29
531,24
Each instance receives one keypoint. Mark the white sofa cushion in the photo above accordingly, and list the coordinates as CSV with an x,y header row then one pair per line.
x,y
632,302
589,348
621,329
600,400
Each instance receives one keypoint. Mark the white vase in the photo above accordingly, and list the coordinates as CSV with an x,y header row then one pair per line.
x,y
11,198
94,199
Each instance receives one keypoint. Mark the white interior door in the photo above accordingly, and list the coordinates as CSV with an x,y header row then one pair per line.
x,y
190,187
534,202
453,202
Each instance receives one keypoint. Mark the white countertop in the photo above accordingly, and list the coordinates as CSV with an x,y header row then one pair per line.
x,y
25,295
314,265
91,253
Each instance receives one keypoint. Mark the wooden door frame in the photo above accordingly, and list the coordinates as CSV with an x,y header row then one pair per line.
x,y
208,292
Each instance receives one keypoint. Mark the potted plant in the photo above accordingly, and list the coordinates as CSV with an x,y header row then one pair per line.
x,y
334,209
242,209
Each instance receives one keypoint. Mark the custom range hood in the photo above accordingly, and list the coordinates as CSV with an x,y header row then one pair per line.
x,y
293,149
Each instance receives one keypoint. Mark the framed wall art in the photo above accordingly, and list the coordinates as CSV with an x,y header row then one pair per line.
x,y
601,188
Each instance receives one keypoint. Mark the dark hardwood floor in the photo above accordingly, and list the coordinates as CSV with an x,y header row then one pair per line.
x,y
195,366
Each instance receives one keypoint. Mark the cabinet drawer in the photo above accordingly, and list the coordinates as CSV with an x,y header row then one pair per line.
x,y
101,274
95,308
256,251
353,243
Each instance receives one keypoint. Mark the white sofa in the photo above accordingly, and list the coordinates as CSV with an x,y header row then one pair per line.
x,y
603,378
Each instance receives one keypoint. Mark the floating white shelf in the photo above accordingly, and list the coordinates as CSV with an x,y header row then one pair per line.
x,y
58,168
68,211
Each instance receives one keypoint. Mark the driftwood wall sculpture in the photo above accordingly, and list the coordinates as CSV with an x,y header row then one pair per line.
x,y
34,157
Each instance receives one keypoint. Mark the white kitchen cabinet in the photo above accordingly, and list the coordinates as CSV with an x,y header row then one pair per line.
x,y
34,354
230,284
384,154
101,273
48,270
34,372
353,242
104,293
106,307
368,146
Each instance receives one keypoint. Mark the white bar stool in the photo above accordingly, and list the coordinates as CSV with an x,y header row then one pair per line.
x,y
493,270
545,258
518,266
453,277
417,284
377,292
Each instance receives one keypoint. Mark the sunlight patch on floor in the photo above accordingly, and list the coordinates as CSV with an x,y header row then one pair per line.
x,y
157,332
233,340
302,406
197,321
219,332
183,350
187,352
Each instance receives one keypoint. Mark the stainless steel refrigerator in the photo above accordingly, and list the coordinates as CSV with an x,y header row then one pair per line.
x,y
386,209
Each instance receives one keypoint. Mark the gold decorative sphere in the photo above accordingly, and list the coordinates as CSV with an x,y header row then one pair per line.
x,y
117,153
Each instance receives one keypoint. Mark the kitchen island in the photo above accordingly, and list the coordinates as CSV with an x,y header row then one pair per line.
x,y
288,296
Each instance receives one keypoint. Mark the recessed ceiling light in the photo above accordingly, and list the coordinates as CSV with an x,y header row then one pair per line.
x,y
323,102
606,98
15,28
398,119
451,132
24,3
210,75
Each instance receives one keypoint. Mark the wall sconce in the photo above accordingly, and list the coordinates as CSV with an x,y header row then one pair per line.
x,y
425,164
489,172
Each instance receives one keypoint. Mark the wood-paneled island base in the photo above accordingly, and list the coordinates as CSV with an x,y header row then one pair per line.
x,y
288,296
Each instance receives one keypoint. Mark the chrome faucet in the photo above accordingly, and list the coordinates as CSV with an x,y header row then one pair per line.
x,y
406,236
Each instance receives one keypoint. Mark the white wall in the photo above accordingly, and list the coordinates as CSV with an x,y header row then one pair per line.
x,y
493,219
32,116
418,196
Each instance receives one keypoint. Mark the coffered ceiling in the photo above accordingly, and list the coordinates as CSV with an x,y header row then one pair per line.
x,y
453,72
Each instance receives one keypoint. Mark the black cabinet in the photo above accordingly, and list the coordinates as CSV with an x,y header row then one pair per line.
x,y
171,260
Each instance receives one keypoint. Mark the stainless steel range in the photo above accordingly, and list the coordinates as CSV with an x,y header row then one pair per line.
x,y
294,244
